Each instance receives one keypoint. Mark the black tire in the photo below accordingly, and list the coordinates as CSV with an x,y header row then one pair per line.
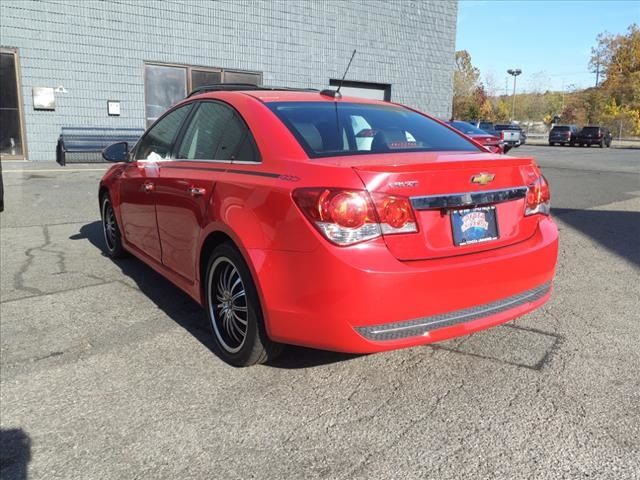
x,y
110,229
551,144
234,311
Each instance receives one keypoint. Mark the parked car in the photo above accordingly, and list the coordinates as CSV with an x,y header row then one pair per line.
x,y
486,127
563,135
522,136
492,142
262,205
593,135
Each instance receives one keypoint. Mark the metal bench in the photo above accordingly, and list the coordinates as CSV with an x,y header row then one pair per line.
x,y
85,144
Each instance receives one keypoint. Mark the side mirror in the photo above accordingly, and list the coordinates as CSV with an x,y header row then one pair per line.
x,y
116,152
506,148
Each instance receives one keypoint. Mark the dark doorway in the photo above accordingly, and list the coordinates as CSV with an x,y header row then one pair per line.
x,y
11,121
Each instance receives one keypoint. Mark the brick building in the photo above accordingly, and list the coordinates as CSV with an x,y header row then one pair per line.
x,y
121,63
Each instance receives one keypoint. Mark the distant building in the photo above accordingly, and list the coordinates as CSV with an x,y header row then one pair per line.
x,y
63,61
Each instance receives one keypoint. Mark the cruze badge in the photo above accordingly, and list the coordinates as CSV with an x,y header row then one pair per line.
x,y
483,178
406,184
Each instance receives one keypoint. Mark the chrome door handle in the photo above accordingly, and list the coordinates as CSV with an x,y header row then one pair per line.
x,y
148,187
197,191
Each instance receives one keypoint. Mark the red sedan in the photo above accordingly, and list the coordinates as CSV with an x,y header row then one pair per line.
x,y
492,142
268,209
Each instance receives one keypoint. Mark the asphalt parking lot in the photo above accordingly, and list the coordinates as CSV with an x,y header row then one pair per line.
x,y
107,372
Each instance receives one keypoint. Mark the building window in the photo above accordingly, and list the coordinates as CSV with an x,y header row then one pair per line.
x,y
11,120
166,84
376,91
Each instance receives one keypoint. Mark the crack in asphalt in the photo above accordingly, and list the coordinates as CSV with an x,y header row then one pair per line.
x,y
18,277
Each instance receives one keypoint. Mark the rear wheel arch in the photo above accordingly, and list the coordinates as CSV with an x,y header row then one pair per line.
x,y
212,240
101,193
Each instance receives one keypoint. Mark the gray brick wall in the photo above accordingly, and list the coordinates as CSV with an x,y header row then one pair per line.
x,y
97,50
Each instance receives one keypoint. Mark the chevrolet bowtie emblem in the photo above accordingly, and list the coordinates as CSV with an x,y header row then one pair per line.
x,y
483,178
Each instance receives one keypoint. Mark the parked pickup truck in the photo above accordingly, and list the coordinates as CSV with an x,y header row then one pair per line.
x,y
522,136
507,135
592,135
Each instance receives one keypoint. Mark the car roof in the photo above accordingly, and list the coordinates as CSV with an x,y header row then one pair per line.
x,y
268,96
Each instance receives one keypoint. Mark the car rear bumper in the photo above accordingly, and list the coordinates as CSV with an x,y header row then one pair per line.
x,y
361,299
589,141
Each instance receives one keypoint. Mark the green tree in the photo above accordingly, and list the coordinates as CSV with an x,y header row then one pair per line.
x,y
465,81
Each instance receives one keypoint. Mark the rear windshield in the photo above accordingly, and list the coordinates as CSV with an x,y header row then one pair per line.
x,y
328,129
467,128
591,129
507,127
560,129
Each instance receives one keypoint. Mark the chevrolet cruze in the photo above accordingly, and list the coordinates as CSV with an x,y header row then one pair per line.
x,y
270,210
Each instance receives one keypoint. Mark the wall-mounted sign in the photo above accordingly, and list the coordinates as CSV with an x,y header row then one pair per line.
x,y
113,108
44,98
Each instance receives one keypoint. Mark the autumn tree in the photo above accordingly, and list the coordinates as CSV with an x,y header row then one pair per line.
x,y
465,81
618,57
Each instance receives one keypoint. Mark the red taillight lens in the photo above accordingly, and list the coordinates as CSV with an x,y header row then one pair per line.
x,y
346,217
538,197
347,209
395,214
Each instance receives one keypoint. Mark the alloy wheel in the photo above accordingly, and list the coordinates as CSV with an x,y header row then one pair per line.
x,y
228,306
109,225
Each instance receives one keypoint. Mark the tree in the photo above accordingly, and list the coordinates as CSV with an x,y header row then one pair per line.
x,y
465,81
618,57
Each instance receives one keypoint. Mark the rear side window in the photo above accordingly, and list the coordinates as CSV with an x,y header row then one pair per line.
x,y
217,133
157,142
326,129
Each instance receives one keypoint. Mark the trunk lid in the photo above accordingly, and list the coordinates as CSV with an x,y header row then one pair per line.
x,y
430,179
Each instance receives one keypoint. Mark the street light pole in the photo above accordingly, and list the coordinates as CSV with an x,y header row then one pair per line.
x,y
515,72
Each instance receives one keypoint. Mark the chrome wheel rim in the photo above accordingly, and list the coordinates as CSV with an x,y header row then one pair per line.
x,y
228,307
109,225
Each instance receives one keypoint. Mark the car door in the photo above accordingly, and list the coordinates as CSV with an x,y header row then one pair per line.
x,y
214,137
138,183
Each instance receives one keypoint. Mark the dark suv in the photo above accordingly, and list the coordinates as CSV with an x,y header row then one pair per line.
x,y
563,134
594,136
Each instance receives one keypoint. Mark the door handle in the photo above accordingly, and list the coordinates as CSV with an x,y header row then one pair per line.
x,y
197,191
148,187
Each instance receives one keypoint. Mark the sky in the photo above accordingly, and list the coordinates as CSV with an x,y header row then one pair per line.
x,y
550,41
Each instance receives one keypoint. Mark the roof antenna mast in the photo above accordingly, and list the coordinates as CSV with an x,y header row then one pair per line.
x,y
336,93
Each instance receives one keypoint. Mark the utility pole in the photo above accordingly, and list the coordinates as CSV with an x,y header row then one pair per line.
x,y
597,73
514,72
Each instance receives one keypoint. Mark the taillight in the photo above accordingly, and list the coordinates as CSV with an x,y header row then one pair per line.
x,y
538,197
395,214
346,217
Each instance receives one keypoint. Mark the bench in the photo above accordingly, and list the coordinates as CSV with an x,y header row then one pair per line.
x,y
85,144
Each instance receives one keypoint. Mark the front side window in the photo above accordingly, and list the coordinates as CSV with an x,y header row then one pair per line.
x,y
157,142
326,129
216,133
